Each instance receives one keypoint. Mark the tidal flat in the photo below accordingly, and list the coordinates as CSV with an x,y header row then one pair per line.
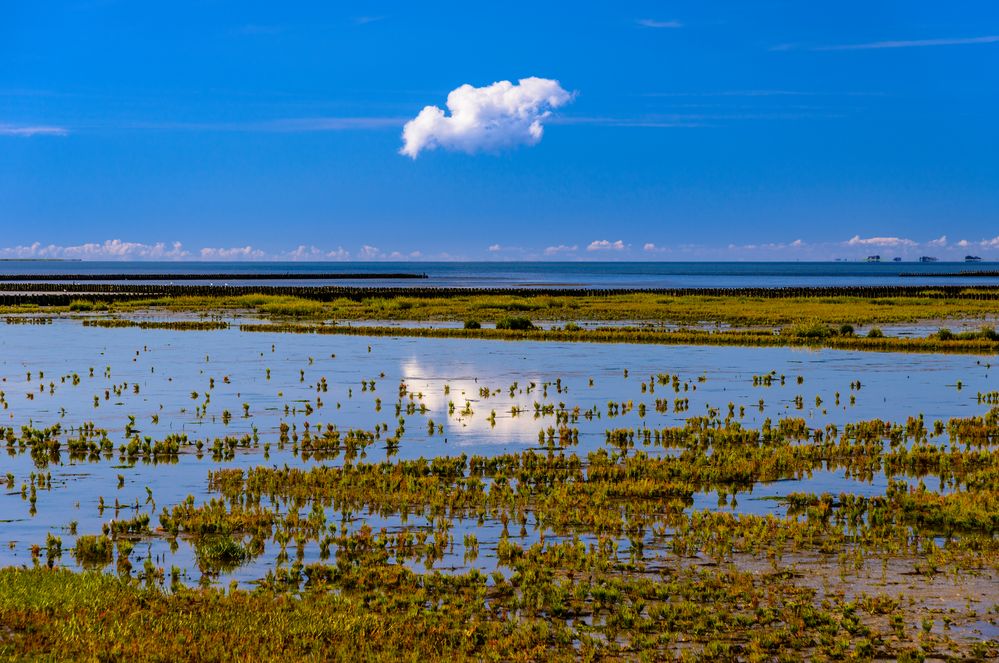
x,y
170,486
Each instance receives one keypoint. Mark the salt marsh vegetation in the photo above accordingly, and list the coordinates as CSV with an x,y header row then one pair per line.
x,y
392,494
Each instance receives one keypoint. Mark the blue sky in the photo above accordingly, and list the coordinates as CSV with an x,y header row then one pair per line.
x,y
691,130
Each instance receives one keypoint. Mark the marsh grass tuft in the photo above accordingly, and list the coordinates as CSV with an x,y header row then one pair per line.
x,y
93,551
220,552
515,323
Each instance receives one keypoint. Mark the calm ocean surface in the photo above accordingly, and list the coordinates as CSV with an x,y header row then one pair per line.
x,y
550,274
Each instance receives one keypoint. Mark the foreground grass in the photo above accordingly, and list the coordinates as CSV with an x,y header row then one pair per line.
x,y
59,615
687,309
378,611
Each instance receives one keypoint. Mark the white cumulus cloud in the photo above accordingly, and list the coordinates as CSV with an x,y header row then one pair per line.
x,y
605,245
489,118
234,253
857,240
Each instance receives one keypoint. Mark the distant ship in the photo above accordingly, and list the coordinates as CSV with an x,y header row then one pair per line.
x,y
927,259
872,259
972,259
896,260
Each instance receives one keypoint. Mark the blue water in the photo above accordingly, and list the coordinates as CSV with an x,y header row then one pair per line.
x,y
553,274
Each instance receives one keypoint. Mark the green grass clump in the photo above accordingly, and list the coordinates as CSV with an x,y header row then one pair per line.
x,y
220,553
514,323
984,333
292,307
811,329
473,324
175,325
87,305
93,551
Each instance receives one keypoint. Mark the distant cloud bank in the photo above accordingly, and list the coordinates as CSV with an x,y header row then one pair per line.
x,y
490,118
116,249
112,249
854,248
235,253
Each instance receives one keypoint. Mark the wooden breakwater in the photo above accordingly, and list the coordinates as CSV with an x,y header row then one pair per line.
x,y
217,276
